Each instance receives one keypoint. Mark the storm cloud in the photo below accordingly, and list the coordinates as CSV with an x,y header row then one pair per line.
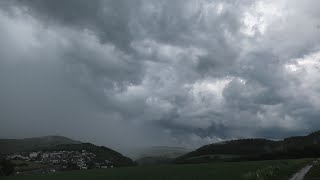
x,y
133,73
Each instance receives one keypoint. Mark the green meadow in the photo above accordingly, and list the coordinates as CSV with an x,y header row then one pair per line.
x,y
314,173
273,169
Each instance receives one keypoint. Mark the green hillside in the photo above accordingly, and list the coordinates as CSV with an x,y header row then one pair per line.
x,y
256,149
100,151
59,143
30,144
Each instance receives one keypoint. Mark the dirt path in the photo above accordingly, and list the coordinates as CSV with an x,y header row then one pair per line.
x,y
300,175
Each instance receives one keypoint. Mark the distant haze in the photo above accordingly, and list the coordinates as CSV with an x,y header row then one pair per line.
x,y
128,74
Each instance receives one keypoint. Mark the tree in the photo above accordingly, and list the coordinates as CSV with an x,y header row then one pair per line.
x,y
6,167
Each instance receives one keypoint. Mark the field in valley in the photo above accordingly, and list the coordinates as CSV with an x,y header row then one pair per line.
x,y
273,169
314,173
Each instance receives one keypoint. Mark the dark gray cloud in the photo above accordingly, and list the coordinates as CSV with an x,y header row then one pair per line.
x,y
140,73
108,19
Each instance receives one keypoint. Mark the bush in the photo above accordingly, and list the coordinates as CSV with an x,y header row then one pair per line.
x,y
263,174
6,168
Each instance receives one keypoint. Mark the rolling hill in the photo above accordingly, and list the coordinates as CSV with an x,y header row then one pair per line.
x,y
29,144
256,149
100,151
60,143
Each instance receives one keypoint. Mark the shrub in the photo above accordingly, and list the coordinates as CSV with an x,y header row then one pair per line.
x,y
263,174
6,167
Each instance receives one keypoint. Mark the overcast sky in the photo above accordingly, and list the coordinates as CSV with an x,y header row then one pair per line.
x,y
129,73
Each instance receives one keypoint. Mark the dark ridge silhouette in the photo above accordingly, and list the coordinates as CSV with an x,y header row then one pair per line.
x,y
256,149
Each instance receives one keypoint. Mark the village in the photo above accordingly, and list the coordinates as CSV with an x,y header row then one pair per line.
x,y
59,160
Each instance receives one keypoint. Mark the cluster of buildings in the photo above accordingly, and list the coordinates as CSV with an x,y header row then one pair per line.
x,y
63,159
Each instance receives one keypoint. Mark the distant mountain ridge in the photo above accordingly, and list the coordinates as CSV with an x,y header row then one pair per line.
x,y
256,149
159,151
157,155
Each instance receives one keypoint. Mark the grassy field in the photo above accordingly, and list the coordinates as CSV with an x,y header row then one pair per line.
x,y
277,169
314,173
25,165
